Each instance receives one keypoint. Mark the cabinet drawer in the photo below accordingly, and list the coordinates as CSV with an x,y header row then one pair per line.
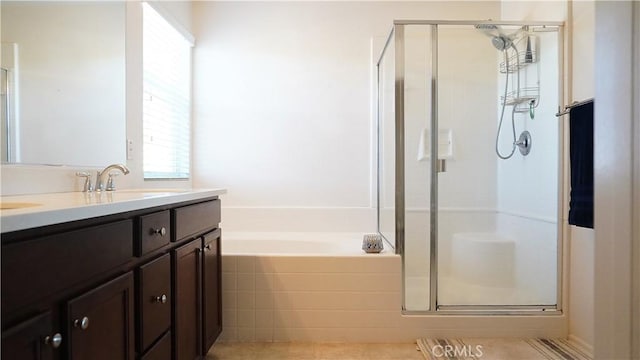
x,y
154,285
161,350
154,231
35,269
194,219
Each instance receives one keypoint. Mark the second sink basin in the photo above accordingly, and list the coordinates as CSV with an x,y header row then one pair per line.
x,y
17,205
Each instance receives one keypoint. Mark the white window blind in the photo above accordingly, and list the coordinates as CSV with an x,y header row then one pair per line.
x,y
167,98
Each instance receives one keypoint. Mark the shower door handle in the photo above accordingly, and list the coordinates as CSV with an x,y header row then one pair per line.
x,y
441,165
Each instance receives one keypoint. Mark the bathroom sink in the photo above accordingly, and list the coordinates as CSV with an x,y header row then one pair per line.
x,y
17,205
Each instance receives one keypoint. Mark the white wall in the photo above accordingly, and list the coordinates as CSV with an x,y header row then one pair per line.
x,y
616,168
582,240
282,99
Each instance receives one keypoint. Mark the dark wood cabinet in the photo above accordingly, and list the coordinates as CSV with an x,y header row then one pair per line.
x,y
48,264
32,339
211,295
137,285
154,232
161,350
100,322
194,220
187,321
154,301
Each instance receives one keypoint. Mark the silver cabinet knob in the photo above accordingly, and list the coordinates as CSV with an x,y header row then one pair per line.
x,y
81,323
162,231
161,299
54,340
207,247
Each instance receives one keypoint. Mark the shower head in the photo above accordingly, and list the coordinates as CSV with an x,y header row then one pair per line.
x,y
500,40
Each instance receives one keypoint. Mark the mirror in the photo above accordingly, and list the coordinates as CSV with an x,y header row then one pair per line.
x,y
63,83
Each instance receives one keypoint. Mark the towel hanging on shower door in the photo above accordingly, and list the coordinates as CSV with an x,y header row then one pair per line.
x,y
581,158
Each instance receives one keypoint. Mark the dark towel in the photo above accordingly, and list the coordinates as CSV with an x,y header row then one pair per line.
x,y
581,158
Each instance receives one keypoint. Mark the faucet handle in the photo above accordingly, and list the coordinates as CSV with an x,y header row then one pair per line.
x,y
111,186
88,185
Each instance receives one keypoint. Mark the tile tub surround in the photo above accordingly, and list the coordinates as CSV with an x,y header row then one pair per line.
x,y
353,298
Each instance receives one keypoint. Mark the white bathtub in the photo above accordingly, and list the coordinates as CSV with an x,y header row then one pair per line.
x,y
296,244
293,286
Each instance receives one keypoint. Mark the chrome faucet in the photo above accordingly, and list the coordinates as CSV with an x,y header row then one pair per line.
x,y
100,178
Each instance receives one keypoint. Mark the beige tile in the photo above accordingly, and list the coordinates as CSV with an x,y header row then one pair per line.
x,y
246,300
233,351
264,334
264,300
403,351
246,264
496,349
280,351
264,318
246,281
295,334
264,264
229,281
492,349
246,318
229,299
229,319
336,282
229,263
330,351
367,351
246,334
334,319
330,300
264,281
228,334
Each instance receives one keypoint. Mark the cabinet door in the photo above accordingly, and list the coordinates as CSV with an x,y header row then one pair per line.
x,y
100,322
212,296
187,333
31,340
161,350
154,310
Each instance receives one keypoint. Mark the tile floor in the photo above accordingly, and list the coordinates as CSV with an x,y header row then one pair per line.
x,y
493,349
313,351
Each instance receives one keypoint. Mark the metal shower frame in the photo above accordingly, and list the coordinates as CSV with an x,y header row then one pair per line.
x,y
397,36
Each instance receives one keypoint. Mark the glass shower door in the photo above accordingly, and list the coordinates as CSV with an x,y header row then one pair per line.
x,y
497,230
417,131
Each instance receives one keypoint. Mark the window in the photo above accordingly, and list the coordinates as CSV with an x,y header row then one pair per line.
x,y
166,121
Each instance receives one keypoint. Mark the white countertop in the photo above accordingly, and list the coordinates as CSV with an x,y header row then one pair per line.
x,y
57,208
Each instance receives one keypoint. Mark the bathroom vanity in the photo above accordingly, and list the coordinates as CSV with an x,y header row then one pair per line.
x,y
126,275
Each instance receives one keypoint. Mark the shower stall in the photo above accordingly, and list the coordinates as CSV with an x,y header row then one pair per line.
x,y
470,164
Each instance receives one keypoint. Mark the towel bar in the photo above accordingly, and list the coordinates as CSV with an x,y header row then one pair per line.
x,y
568,108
